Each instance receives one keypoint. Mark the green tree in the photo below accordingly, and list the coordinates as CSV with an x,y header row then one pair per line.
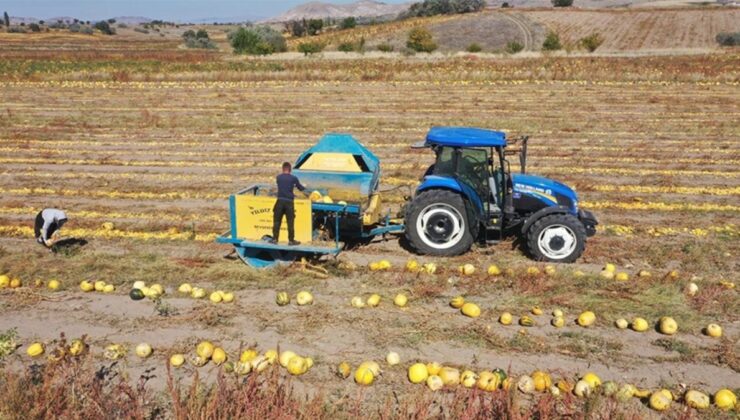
x,y
474,48
246,41
270,41
308,48
562,3
552,42
421,40
444,7
6,19
385,47
513,47
202,34
104,27
297,28
728,39
591,42
348,23
315,26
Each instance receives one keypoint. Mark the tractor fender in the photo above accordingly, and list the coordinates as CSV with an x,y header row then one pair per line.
x,y
447,183
473,204
543,212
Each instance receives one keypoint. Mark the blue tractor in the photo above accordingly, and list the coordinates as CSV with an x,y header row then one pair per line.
x,y
470,194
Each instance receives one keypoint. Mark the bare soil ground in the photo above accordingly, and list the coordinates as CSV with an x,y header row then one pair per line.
x,y
154,142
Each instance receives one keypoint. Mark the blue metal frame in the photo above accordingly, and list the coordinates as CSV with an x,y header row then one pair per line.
x,y
260,254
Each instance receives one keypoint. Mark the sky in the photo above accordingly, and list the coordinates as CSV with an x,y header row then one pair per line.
x,y
172,10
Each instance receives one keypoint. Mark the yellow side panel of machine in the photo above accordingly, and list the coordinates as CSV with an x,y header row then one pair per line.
x,y
254,218
372,212
339,162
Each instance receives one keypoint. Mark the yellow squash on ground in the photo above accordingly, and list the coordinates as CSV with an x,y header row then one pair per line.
x,y
493,270
177,360
667,325
713,330
297,365
364,376
35,350
640,324
418,373
661,400
586,319
205,349
725,399
471,309
696,399
373,300
434,382
344,370
457,302
143,350
304,298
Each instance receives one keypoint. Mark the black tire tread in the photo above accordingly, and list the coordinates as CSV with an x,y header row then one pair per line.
x,y
437,196
558,218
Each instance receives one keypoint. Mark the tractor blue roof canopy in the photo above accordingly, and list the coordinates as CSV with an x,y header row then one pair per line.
x,y
465,137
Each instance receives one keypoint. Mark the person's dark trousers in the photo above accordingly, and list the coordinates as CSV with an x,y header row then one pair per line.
x,y
38,225
287,209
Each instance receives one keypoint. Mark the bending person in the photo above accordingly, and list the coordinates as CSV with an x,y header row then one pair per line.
x,y
48,221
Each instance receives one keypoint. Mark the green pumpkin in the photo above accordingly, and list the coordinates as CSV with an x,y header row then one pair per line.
x,y
526,321
282,298
501,374
136,294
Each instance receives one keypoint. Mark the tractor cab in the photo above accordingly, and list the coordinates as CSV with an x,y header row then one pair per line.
x,y
469,194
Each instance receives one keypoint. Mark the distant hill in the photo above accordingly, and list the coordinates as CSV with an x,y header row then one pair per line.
x,y
360,9
132,20
17,20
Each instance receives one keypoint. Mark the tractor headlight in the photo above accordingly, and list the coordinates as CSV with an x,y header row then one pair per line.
x,y
575,205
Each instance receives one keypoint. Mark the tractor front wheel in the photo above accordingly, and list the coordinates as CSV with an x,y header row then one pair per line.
x,y
437,224
557,238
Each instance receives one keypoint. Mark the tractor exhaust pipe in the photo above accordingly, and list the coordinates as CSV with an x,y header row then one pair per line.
x,y
523,154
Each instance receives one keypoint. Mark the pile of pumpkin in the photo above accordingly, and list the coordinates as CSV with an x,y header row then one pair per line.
x,y
15,283
196,292
96,286
302,298
140,290
249,360
436,376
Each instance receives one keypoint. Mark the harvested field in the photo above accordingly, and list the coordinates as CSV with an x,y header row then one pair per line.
x,y
155,143
639,30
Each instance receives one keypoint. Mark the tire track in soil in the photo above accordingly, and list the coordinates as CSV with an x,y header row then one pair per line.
x,y
524,27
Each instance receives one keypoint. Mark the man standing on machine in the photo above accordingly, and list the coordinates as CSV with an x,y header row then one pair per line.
x,y
284,206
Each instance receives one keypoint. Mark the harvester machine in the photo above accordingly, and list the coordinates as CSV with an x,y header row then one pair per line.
x,y
342,177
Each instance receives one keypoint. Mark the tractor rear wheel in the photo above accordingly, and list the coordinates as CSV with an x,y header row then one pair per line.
x,y
557,238
437,224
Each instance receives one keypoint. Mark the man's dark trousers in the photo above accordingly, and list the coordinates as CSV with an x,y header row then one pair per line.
x,y
286,208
